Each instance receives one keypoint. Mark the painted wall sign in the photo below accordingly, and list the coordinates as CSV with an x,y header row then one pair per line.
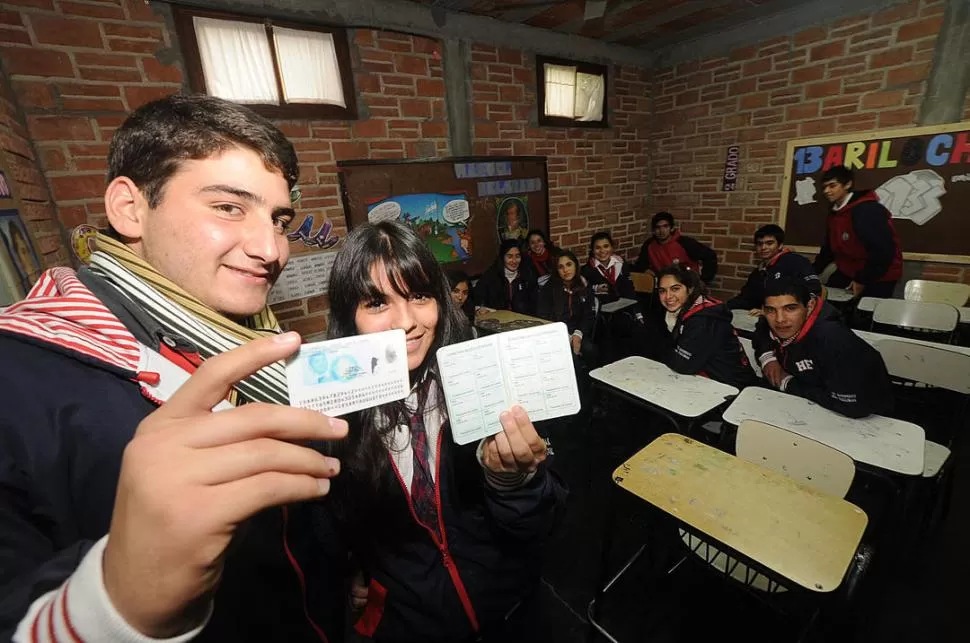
x,y
483,170
323,238
512,186
731,168
305,275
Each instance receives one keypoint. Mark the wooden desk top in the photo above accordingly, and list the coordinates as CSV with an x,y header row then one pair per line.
x,y
686,395
499,321
801,534
883,442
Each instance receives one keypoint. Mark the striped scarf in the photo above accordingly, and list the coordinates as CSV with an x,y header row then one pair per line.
x,y
185,316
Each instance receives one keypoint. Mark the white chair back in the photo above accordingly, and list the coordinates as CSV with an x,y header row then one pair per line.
x,y
916,315
804,460
937,367
749,351
940,292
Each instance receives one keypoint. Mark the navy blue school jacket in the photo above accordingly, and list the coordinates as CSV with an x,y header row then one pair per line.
x,y
785,264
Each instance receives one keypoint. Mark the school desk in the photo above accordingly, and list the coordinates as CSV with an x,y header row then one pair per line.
x,y
500,321
743,321
872,338
660,389
879,441
618,305
792,532
838,295
868,304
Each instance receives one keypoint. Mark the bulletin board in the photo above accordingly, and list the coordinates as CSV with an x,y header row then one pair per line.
x,y
463,207
921,175
19,263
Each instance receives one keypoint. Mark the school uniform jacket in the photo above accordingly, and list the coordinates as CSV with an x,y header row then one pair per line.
x,y
575,309
495,291
830,365
621,285
861,240
452,584
785,264
72,391
678,249
703,342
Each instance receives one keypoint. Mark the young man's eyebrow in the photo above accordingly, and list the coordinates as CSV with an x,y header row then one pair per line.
x,y
246,195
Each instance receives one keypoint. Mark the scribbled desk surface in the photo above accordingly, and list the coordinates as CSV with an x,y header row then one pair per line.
x,y
837,295
801,534
686,395
883,442
618,305
744,321
500,321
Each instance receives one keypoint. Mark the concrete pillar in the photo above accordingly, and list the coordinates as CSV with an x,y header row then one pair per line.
x,y
458,96
946,90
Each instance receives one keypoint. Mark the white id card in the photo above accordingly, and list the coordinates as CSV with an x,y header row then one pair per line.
x,y
341,376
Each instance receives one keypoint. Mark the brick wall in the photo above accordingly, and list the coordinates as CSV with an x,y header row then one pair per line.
x,y
858,74
598,178
27,180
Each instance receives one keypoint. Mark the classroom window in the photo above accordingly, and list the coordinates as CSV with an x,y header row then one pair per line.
x,y
571,94
280,70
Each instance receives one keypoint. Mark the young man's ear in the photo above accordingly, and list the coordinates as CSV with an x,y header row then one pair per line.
x,y
812,303
125,207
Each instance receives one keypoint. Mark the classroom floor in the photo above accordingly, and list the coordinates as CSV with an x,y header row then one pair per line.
x,y
922,599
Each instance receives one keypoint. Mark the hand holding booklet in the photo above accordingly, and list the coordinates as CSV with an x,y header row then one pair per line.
x,y
341,376
532,367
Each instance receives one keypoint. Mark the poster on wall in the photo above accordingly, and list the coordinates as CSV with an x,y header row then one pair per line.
x,y
440,219
921,175
513,217
17,250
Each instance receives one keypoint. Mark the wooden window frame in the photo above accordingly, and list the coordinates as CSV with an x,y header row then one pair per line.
x,y
581,67
193,64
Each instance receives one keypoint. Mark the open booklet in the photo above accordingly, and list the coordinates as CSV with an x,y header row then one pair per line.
x,y
341,376
532,367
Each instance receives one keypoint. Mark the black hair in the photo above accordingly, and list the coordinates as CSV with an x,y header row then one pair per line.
x,y
158,136
455,277
840,173
503,248
578,279
788,286
411,269
602,234
770,230
539,232
691,279
662,216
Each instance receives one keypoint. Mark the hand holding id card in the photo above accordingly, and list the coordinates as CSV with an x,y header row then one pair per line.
x,y
532,367
341,376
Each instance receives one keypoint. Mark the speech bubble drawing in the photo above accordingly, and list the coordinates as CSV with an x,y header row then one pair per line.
x,y
456,211
388,211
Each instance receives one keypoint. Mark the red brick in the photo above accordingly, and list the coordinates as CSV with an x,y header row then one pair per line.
x,y
807,74
431,87
801,112
809,36
897,117
756,67
426,45
11,18
36,62
74,32
486,130
33,94
138,96
744,53
60,128
77,187
823,89
157,72
91,90
415,108
364,37
294,129
892,57
370,129
134,46
745,86
881,100
511,94
908,75
826,51
53,160
921,29
140,10
896,14
91,10
113,75
754,101
368,84
416,65
88,103
348,151
84,59
37,4
14,36
434,130
130,31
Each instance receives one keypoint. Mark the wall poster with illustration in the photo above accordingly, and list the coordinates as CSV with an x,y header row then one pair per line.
x,y
462,207
19,264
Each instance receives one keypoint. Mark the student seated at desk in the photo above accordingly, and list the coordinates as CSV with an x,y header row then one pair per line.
x,y
777,261
568,298
701,340
461,289
805,350
541,255
506,286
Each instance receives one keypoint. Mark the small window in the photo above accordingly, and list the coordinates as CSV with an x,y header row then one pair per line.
x,y
571,94
280,70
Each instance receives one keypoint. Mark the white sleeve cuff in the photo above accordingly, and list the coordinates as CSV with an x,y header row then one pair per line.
x,y
784,383
80,609
766,358
502,481
578,333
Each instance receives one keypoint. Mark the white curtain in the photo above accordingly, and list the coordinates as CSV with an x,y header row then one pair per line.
x,y
560,90
308,65
236,60
590,92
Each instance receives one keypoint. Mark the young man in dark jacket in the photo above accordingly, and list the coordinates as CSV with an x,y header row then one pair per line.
x,y
860,239
668,246
776,262
805,350
120,488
